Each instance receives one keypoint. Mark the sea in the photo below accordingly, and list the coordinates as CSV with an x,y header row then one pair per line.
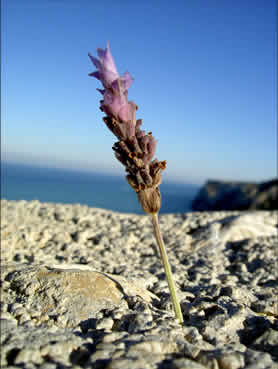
x,y
26,182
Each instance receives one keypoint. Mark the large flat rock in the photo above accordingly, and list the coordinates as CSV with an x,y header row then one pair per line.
x,y
70,294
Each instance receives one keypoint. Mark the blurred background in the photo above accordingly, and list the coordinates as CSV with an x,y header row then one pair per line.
x,y
205,81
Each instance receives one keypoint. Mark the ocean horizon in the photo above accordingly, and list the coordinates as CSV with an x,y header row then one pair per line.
x,y
110,192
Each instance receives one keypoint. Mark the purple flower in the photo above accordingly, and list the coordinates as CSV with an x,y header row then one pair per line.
x,y
115,103
135,148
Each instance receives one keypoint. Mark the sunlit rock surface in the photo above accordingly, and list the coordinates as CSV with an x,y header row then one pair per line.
x,y
84,287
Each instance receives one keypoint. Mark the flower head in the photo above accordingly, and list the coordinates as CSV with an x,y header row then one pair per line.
x,y
106,69
115,92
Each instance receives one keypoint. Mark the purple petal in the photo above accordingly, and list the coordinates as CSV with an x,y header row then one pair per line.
x,y
105,65
100,53
95,74
108,97
106,59
118,89
95,61
127,113
126,80
115,105
107,77
124,113
116,86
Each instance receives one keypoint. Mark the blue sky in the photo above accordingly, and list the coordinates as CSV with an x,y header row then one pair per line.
x,y
204,80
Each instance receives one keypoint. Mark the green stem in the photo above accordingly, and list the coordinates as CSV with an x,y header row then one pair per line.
x,y
167,269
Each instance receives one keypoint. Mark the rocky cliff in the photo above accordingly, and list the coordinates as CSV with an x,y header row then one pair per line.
x,y
220,195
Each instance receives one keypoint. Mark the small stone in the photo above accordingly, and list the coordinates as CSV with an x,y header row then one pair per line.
x,y
19,311
190,350
231,361
207,360
48,366
14,307
140,322
117,314
155,347
114,336
258,360
105,346
24,318
100,355
192,334
105,323
184,363
34,313
7,316
27,355
4,306
268,342
118,353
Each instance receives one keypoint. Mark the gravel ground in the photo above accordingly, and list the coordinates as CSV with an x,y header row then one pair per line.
x,y
224,264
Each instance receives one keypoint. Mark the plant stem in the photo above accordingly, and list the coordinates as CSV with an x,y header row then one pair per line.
x,y
167,269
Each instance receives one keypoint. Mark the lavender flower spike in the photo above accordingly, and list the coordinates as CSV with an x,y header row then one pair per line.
x,y
135,149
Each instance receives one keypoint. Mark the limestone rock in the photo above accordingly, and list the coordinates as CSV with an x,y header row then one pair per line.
x,y
71,294
76,282
234,229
